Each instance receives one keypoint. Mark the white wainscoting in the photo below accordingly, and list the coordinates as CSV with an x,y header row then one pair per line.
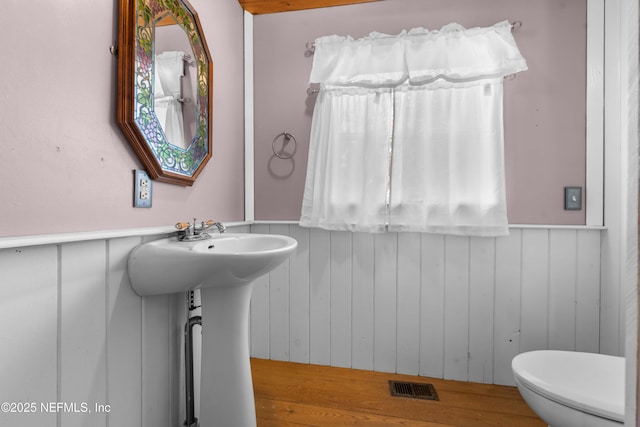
x,y
446,307
72,331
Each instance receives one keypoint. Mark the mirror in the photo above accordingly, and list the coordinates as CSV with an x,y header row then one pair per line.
x,y
165,82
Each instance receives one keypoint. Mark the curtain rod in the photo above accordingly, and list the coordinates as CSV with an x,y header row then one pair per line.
x,y
313,87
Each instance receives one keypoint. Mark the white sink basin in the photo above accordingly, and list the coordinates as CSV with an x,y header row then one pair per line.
x,y
168,266
223,268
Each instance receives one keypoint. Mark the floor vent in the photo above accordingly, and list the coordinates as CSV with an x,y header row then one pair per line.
x,y
413,390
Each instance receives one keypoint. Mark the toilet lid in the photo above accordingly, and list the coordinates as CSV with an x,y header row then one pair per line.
x,y
589,382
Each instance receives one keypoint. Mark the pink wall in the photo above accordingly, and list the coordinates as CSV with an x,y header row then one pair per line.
x,y
544,106
66,166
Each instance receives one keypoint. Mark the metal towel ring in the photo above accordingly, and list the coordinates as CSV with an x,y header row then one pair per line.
x,y
287,137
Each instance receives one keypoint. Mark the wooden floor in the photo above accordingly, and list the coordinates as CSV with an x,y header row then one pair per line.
x,y
291,394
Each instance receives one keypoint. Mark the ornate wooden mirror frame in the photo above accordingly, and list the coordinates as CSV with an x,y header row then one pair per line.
x,y
136,115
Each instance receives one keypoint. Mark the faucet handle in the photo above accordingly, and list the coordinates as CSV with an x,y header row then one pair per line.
x,y
182,226
208,222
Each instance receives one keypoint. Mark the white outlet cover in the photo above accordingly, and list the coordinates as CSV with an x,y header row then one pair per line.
x,y
142,189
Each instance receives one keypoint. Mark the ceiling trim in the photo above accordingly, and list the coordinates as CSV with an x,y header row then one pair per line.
x,y
258,7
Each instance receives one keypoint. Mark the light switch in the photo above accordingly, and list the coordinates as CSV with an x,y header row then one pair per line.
x,y
572,198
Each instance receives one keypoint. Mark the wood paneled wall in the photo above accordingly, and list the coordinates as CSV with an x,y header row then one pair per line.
x,y
446,307
73,331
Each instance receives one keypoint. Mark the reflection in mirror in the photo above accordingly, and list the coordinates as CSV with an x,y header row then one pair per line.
x,y
174,82
165,77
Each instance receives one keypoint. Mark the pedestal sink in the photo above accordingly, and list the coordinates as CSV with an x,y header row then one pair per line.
x,y
223,267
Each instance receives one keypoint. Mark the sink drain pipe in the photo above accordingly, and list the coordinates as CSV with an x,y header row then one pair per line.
x,y
191,420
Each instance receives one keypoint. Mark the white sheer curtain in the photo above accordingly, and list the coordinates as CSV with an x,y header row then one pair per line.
x,y
167,91
407,132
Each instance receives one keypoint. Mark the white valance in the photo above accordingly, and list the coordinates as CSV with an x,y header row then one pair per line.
x,y
454,53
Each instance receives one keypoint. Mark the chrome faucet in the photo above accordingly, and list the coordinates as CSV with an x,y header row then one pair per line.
x,y
220,226
190,231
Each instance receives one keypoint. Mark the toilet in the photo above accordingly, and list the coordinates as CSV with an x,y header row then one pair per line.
x,y
568,388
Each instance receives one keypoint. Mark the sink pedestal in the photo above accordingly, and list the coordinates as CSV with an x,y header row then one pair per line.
x,y
226,388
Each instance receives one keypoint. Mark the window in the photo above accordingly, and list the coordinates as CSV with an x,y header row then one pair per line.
x,y
407,132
